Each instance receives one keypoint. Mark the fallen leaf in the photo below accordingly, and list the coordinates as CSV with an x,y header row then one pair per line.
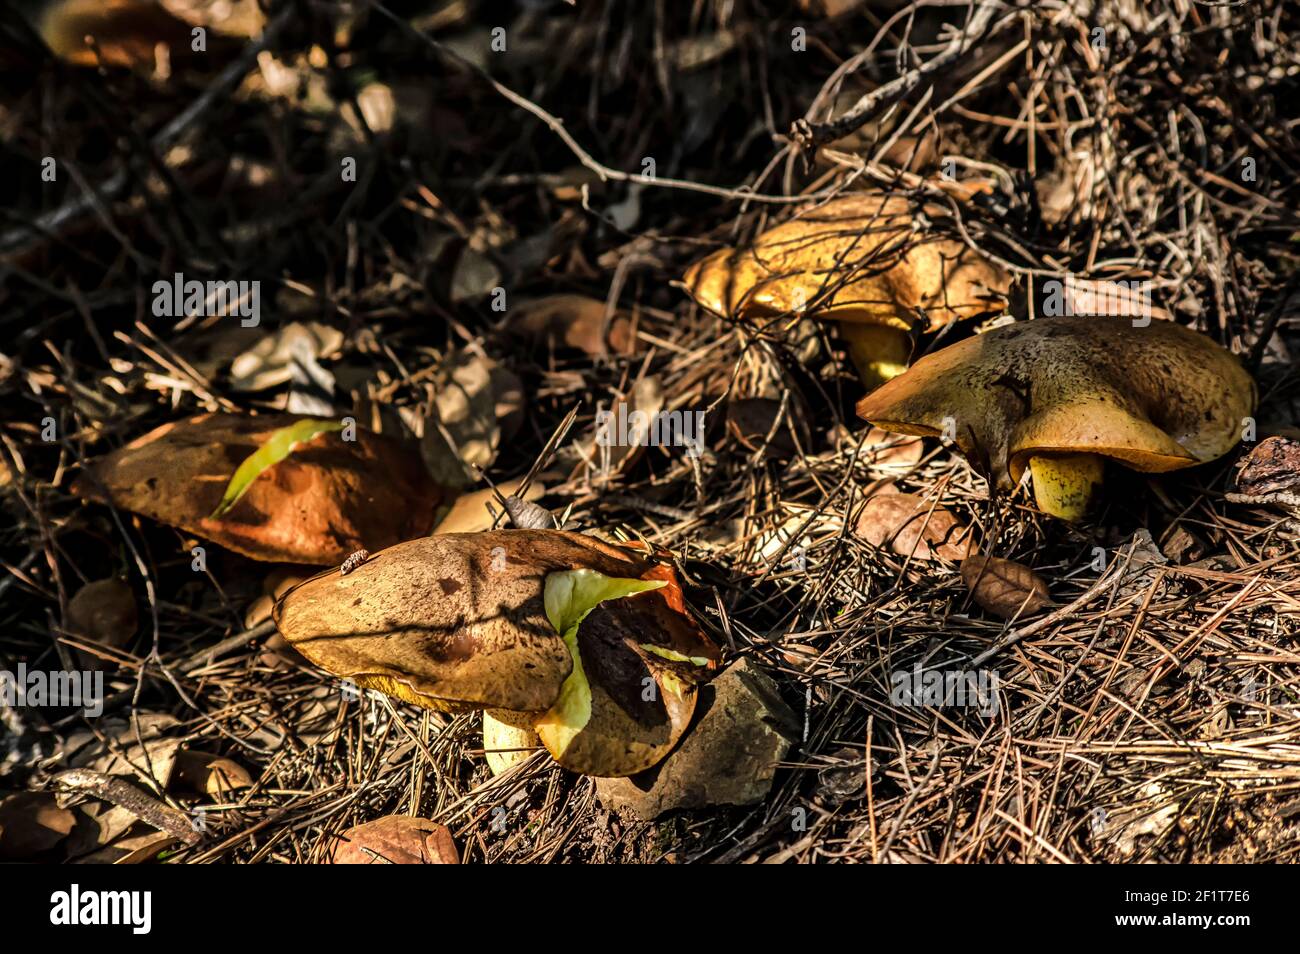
x,y
896,451
104,612
133,849
470,514
1005,588
270,362
311,388
605,450
274,585
113,749
212,775
913,526
32,823
477,405
474,276
325,501
396,840
572,321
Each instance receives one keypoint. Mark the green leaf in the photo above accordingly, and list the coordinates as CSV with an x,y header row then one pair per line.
x,y
569,596
281,444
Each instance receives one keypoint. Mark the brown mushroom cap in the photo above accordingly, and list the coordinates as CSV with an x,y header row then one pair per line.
x,y
455,618
856,258
1156,398
459,621
327,499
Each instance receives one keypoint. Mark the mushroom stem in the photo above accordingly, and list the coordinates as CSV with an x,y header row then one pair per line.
x,y
508,738
1064,484
879,352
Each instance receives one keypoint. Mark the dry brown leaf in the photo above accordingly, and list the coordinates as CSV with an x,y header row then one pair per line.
x,y
396,840
326,500
212,775
270,362
102,611
470,514
1005,588
913,526
276,583
478,404
572,321
32,823
894,450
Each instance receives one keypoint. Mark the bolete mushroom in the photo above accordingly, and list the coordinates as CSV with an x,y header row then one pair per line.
x,y
1061,396
588,643
328,498
859,259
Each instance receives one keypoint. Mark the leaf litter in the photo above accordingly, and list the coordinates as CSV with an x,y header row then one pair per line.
x,y
1169,690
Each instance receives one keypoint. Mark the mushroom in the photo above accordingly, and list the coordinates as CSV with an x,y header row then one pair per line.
x,y
586,643
126,33
330,497
858,259
1061,396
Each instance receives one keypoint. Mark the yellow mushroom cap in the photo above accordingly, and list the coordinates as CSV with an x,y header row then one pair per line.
x,y
859,258
1155,398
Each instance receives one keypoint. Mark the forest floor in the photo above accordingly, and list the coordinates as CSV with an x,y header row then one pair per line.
x,y
1157,720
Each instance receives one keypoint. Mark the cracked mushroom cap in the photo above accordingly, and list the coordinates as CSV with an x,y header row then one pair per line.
x,y
469,620
861,257
1155,399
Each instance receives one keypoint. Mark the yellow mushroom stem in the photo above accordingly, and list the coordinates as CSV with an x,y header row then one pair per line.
x,y
879,352
508,738
1064,484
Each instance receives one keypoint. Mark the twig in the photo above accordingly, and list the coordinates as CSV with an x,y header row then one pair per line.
x,y
226,80
123,794
811,135
556,125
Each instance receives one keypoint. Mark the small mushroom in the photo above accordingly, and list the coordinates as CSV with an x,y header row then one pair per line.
x,y
587,643
859,259
1060,396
